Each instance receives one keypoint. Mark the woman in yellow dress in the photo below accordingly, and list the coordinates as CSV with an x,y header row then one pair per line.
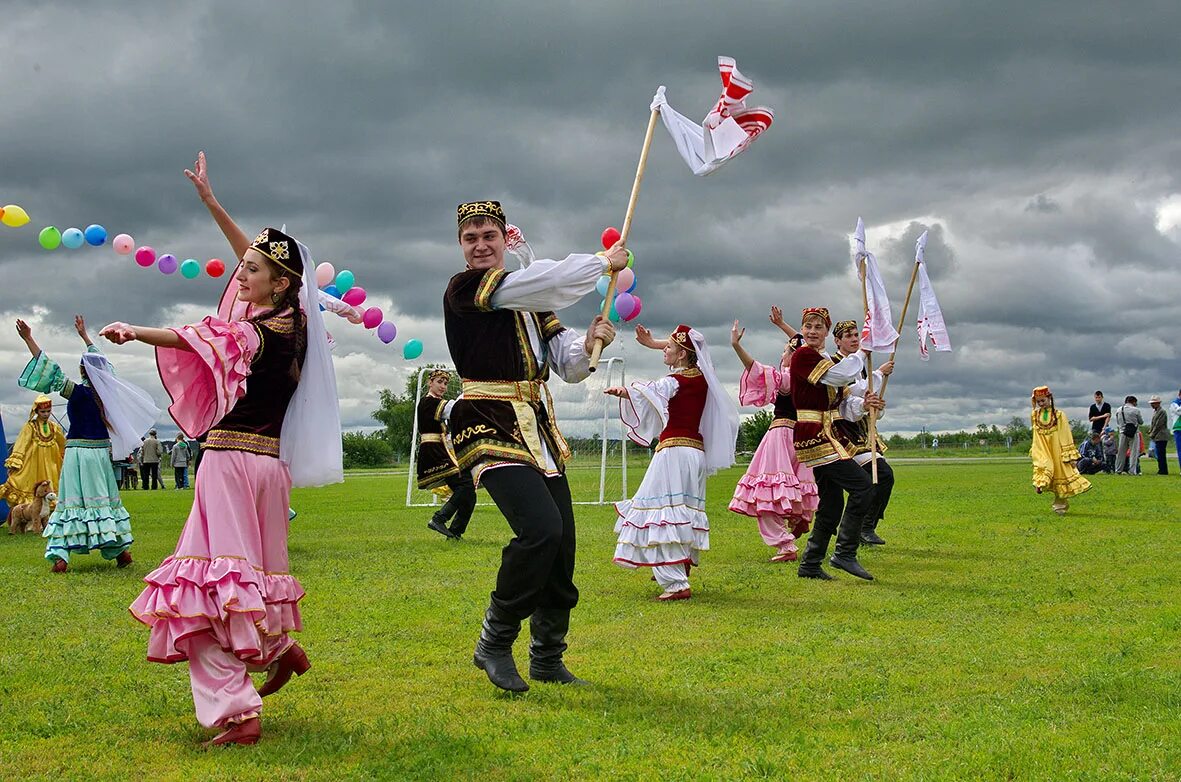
x,y
1054,453
37,455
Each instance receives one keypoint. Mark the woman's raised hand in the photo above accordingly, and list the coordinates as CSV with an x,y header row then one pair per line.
x,y
199,176
736,334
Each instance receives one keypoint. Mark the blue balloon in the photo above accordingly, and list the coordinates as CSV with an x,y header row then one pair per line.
x,y
333,291
601,285
95,235
72,238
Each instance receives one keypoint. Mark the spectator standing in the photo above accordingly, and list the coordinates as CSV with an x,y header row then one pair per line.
x,y
150,458
179,458
1109,446
1100,413
133,467
1091,455
1158,433
1175,425
1128,420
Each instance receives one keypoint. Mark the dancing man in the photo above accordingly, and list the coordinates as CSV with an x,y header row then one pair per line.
x,y
818,388
436,466
504,341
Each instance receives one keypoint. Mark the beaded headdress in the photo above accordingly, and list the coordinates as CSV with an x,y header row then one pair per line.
x,y
42,402
488,209
440,373
844,326
280,249
821,311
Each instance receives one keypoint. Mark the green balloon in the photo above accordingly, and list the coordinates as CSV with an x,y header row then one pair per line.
x,y
631,259
190,269
50,238
613,315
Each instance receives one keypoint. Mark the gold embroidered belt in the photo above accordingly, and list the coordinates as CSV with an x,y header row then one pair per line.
x,y
680,442
526,397
814,416
430,438
228,440
782,423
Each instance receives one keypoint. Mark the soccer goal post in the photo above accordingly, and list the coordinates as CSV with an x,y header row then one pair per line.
x,y
589,420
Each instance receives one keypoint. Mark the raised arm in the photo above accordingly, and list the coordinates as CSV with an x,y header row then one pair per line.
x,y
776,318
238,240
80,327
736,335
645,338
25,332
122,333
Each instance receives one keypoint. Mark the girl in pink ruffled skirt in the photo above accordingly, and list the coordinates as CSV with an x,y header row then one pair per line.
x,y
777,489
249,380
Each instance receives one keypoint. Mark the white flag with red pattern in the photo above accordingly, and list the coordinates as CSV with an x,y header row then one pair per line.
x,y
728,129
878,332
931,326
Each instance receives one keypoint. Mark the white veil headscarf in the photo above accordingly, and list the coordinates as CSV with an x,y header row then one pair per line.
x,y
128,409
719,421
309,443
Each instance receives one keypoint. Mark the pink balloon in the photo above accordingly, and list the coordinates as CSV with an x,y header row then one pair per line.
x,y
372,317
625,304
625,281
123,244
354,296
145,256
635,312
325,274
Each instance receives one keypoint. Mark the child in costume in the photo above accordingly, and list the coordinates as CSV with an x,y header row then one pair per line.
x,y
777,488
36,456
664,525
105,414
257,382
1054,454
436,465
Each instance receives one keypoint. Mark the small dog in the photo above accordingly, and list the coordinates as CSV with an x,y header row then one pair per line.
x,y
31,515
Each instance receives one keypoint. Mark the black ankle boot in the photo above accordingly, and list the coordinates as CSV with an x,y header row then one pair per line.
x,y
548,628
844,555
814,555
494,650
869,533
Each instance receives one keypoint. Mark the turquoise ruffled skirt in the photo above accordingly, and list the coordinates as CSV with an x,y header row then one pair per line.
x,y
89,514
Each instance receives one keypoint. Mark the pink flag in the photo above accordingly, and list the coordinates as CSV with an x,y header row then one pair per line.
x,y
728,128
931,326
878,333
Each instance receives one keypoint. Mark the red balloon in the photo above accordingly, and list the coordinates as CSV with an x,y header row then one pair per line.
x,y
610,237
215,268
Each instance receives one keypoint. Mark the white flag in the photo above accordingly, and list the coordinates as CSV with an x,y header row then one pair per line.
x,y
878,333
931,326
728,128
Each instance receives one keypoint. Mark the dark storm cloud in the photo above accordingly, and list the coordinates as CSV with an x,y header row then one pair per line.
x,y
1035,142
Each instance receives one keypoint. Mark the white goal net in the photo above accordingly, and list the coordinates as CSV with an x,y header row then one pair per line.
x,y
589,420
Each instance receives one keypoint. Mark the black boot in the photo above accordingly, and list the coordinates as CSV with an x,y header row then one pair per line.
x,y
844,556
439,526
494,650
813,555
869,533
548,627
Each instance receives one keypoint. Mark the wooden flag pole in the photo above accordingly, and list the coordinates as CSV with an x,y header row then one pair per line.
x,y
914,273
873,415
627,225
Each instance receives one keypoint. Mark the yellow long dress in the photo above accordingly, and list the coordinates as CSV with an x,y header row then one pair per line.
x,y
36,456
1055,456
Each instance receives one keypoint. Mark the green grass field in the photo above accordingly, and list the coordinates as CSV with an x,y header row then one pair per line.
x,y
999,642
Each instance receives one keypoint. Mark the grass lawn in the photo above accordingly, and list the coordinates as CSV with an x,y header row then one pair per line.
x,y
999,642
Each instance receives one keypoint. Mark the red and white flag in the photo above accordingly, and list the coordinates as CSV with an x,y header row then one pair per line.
x,y
727,129
878,332
931,326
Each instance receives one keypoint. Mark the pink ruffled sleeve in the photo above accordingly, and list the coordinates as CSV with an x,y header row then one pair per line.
x,y
205,380
759,385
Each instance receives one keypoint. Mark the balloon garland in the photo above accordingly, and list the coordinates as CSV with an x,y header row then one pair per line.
x,y
345,297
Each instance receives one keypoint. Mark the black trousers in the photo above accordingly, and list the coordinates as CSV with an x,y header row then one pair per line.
x,y
1162,460
537,565
150,470
832,482
1089,466
881,492
460,504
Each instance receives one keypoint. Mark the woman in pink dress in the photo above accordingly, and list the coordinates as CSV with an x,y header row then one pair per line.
x,y
257,381
777,489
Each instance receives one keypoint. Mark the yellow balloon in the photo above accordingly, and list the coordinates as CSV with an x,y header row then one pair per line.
x,y
13,216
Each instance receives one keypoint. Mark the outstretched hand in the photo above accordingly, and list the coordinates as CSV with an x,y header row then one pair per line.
x,y
23,330
776,316
119,333
199,176
616,391
736,334
80,327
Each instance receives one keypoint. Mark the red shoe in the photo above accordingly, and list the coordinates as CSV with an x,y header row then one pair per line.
x,y
59,566
292,661
683,594
786,556
124,559
244,733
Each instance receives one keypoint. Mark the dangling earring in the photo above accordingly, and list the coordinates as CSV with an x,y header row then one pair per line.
x,y
276,298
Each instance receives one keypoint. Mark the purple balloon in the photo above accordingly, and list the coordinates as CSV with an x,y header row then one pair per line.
x,y
167,263
387,332
636,312
625,303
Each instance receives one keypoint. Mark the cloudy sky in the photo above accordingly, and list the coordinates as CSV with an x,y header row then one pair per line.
x,y
1037,141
